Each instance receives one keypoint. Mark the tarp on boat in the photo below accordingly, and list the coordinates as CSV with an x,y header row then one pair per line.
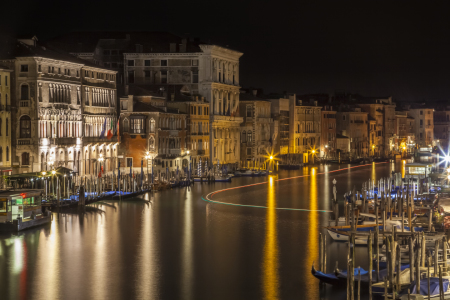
x,y
363,272
434,286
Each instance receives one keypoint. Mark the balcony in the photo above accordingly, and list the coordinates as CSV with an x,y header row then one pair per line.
x,y
175,151
24,103
24,142
96,139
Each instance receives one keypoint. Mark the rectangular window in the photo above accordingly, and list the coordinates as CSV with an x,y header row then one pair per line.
x,y
114,65
114,52
421,112
195,76
131,62
163,62
6,80
137,125
59,70
39,68
147,74
249,151
204,111
130,76
199,110
147,62
129,162
163,76
23,68
106,52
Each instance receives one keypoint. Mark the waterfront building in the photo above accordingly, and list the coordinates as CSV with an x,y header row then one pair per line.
x,y
353,123
5,121
423,125
280,114
47,97
256,135
197,119
404,132
328,134
373,150
158,131
441,118
99,110
210,71
304,128
382,110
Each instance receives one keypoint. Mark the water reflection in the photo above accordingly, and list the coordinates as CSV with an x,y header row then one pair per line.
x,y
271,281
313,231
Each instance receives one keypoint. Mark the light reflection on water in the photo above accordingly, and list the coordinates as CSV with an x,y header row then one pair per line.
x,y
180,247
271,283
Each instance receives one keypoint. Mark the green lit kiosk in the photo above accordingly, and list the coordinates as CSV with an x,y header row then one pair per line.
x,y
21,209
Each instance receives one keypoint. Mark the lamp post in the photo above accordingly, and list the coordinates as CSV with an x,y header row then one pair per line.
x,y
326,151
189,168
313,154
100,160
271,161
373,150
147,157
45,183
64,185
53,185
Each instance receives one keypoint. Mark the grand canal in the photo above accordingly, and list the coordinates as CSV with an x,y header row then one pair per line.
x,y
179,246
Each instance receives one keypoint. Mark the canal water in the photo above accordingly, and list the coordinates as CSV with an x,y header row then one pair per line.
x,y
179,246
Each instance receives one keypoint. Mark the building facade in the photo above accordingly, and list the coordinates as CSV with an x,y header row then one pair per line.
x,y
5,120
256,135
305,128
328,136
423,125
353,123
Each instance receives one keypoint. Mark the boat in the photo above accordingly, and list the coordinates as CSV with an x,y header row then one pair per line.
x,y
243,172
225,178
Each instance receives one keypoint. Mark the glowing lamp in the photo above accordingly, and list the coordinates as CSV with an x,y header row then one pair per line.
x,y
187,152
313,151
43,173
271,157
23,195
53,172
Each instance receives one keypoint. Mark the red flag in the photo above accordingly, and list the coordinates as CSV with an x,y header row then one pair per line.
x,y
100,174
103,171
109,135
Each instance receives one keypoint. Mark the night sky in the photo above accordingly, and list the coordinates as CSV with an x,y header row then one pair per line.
x,y
375,48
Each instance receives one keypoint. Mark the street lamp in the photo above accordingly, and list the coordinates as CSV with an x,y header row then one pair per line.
x,y
189,168
147,157
313,154
45,181
100,160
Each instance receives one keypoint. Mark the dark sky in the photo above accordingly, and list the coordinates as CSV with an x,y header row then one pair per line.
x,y
376,48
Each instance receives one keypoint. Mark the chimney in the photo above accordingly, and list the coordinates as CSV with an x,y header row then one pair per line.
x,y
173,47
255,92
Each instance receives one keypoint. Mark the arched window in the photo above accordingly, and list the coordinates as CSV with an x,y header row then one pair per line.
x,y
125,125
7,153
152,125
1,154
24,92
25,127
244,137
7,127
151,144
249,137
25,159
6,99
1,123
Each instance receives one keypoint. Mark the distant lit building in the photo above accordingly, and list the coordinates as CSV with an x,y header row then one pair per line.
x,y
353,123
5,120
423,125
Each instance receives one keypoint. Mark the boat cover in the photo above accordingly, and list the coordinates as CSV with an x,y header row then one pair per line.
x,y
363,272
434,286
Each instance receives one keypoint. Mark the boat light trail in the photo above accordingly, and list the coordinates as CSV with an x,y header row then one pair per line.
x,y
209,196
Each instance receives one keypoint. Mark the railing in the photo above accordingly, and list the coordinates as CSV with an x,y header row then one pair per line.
x,y
175,151
137,131
24,103
23,142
